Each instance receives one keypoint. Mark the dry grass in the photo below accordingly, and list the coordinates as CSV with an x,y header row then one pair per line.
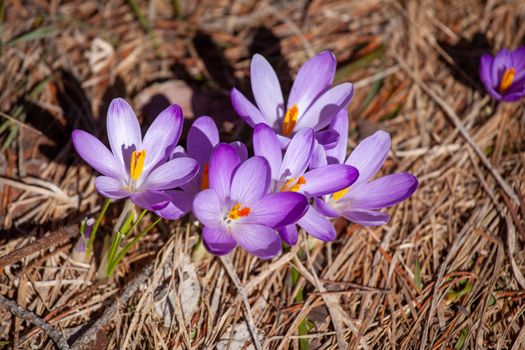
x,y
445,273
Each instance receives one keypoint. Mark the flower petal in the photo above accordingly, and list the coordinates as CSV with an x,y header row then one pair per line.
x,y
172,174
369,155
96,154
298,154
180,203
485,73
208,208
327,138
123,132
245,109
223,162
313,78
289,234
266,89
251,180
259,240
337,154
151,200
317,225
319,159
325,209
162,134
329,179
241,150
325,108
110,187
277,209
217,240
383,192
366,217
266,144
202,137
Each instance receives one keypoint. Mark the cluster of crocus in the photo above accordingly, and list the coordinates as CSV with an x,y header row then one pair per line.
x,y
503,75
297,177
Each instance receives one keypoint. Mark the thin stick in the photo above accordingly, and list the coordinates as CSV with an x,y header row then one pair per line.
x,y
53,332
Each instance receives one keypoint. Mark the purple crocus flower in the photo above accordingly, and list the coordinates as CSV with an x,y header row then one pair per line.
x,y
311,104
237,209
360,202
289,175
504,74
140,168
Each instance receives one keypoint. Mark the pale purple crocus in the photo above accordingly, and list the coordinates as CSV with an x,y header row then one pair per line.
x,y
361,202
237,209
312,102
289,175
503,75
140,168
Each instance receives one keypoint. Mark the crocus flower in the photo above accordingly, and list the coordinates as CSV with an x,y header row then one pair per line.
x,y
504,74
360,202
312,102
289,175
237,209
136,167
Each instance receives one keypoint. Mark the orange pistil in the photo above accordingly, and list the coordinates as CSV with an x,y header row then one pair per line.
x,y
340,194
293,186
137,164
238,212
290,119
508,78
205,179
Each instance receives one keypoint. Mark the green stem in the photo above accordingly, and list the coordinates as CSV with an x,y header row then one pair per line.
x,y
95,226
125,233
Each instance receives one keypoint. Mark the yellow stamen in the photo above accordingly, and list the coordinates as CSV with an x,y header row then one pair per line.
x,y
238,212
290,119
205,180
293,186
137,164
340,194
508,78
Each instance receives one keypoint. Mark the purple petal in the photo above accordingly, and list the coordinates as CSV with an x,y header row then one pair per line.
x,y
284,141
176,152
502,61
485,73
518,59
123,132
259,240
245,109
325,209
317,225
314,77
208,208
266,144
325,108
319,158
172,174
329,179
251,180
217,241
298,154
383,192
151,200
223,162
327,138
202,137
337,154
289,234
110,187
162,134
180,203
241,150
266,89
277,209
369,155
96,154
366,217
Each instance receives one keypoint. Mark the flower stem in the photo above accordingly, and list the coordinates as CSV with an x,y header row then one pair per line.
x,y
95,226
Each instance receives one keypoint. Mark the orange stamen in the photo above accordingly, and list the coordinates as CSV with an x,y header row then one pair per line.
x,y
205,179
137,164
508,78
290,119
238,212
340,194
293,186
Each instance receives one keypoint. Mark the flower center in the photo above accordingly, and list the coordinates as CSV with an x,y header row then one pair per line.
x,y
508,78
292,185
340,194
290,119
205,179
238,212
137,164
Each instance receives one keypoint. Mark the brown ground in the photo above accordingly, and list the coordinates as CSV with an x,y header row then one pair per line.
x,y
445,273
